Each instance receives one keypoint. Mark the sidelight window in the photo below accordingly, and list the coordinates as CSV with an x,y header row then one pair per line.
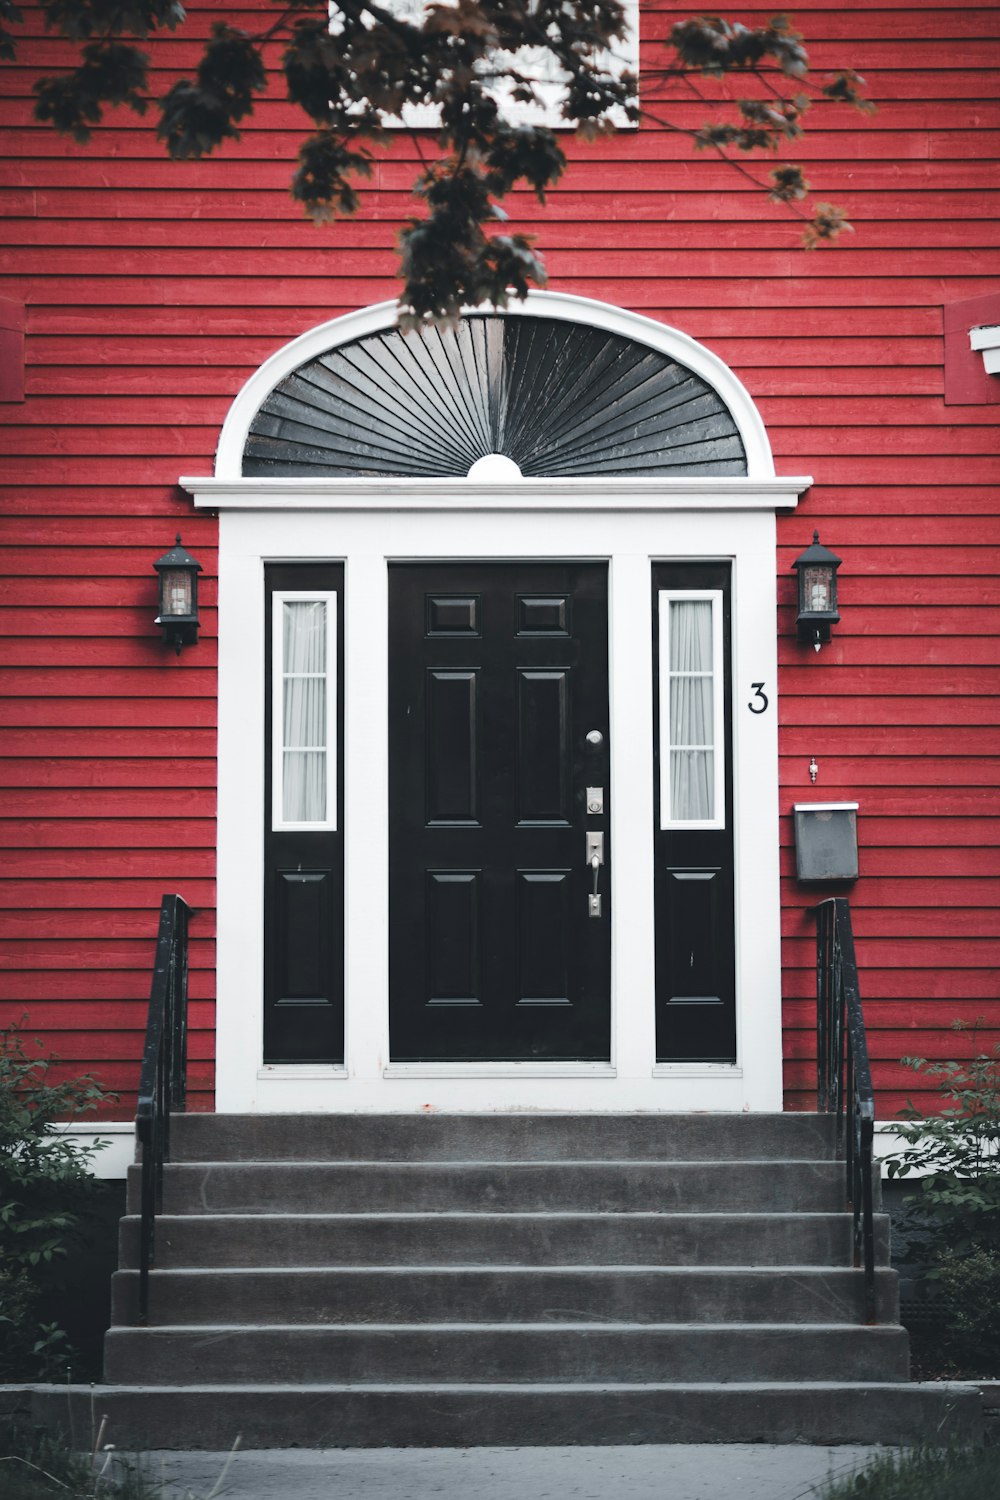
x,y
304,710
691,710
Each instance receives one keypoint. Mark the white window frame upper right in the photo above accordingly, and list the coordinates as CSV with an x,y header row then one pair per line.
x,y
537,64
666,597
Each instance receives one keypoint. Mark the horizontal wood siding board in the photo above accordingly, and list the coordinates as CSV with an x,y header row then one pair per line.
x,y
569,229
638,202
941,131
153,289
103,893
919,892
71,985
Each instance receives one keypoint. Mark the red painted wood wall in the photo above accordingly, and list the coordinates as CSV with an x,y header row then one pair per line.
x,y
152,289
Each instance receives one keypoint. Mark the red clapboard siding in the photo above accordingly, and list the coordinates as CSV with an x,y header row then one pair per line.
x,y
70,986
153,289
145,207
101,895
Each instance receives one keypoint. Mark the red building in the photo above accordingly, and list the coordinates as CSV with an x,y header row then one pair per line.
x,y
152,306
143,294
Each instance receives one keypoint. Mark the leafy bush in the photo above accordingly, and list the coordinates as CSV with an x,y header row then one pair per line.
x,y
956,1203
964,1474
45,1193
970,1302
952,1220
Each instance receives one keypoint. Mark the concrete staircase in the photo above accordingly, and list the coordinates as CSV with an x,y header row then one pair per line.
x,y
450,1280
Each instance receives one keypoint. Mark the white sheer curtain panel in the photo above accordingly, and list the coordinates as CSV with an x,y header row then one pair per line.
x,y
692,753
304,778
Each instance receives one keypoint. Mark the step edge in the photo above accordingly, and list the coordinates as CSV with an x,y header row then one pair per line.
x,y
425,1212
629,1268
486,1327
474,1388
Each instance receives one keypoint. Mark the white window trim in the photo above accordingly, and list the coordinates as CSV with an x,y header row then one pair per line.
x,y
279,824
666,597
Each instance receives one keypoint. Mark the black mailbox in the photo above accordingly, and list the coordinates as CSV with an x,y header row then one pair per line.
x,y
826,841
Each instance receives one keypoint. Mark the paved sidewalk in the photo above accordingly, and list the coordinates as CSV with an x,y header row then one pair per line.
x,y
737,1471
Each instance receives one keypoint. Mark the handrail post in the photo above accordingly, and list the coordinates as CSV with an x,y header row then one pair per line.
x,y
163,1076
843,1072
822,1016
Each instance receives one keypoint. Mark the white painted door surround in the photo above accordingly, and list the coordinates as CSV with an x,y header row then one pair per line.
x,y
368,523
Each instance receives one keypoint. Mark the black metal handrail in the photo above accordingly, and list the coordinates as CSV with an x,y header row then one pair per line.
x,y
844,1080
163,1079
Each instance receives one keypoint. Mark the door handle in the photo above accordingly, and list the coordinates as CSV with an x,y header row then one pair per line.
x,y
595,859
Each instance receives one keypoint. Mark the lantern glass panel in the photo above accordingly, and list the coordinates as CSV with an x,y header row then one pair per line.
x,y
817,589
177,592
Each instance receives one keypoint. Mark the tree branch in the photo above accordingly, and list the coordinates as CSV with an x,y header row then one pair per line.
x,y
379,65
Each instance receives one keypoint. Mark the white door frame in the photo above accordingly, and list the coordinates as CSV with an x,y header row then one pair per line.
x,y
366,524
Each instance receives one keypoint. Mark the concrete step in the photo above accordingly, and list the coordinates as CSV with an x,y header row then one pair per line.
x,y
539,1239
505,1279
500,1137
418,1294
444,1415
507,1187
478,1353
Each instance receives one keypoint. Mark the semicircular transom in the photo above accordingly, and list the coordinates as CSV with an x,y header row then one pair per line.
x,y
557,398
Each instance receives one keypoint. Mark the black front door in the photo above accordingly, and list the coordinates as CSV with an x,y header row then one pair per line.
x,y
498,746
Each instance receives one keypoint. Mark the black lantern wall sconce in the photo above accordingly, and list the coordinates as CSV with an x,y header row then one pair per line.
x,y
178,616
817,580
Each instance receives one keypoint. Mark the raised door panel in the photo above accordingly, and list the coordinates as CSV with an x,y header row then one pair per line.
x,y
544,928
543,747
451,748
453,958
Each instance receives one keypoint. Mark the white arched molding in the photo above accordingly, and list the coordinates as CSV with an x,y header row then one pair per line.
x,y
554,305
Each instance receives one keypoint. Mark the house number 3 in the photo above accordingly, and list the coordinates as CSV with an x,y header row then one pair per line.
x,y
759,693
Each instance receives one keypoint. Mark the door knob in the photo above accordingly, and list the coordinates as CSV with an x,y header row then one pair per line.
x,y
595,738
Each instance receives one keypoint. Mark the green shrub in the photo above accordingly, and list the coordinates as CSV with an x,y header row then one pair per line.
x,y
39,1465
46,1191
28,1346
35,1465
970,1298
956,1202
952,1219
962,1474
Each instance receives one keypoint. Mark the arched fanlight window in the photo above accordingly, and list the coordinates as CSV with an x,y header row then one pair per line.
x,y
554,397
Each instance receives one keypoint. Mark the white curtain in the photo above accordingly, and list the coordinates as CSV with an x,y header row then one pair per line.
x,y
692,754
304,711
